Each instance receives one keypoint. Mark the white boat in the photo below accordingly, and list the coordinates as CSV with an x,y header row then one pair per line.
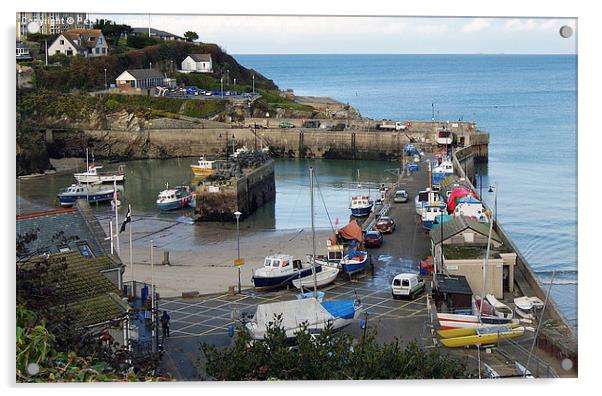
x,y
91,193
471,207
501,309
203,168
523,306
323,278
93,176
361,205
280,270
309,311
427,197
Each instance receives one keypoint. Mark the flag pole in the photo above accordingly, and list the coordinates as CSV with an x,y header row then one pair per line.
x,y
131,255
116,214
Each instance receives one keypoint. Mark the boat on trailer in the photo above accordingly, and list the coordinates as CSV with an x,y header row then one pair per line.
x,y
354,261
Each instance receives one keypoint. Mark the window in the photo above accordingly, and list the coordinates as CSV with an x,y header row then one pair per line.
x,y
97,50
405,283
69,52
57,52
396,282
104,50
84,249
62,42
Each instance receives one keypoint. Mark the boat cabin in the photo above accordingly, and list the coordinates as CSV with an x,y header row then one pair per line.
x,y
444,137
281,261
75,188
361,201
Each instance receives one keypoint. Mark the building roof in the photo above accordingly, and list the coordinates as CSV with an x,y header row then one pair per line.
x,y
51,230
200,57
90,296
458,224
143,74
453,285
80,38
155,32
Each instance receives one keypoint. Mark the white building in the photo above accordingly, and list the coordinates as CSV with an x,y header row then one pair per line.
x,y
160,34
200,63
84,42
139,78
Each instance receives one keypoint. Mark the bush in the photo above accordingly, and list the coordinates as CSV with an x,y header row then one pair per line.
x,y
140,41
203,108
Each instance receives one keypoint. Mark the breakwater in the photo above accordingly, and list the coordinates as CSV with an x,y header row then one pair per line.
x,y
556,336
287,143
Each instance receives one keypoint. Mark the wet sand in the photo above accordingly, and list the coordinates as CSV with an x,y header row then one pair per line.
x,y
201,256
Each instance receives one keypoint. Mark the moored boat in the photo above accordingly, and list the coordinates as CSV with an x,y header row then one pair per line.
x,y
203,168
280,270
361,205
93,176
174,198
91,193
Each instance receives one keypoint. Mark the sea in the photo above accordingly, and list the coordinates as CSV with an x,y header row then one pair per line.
x,y
527,103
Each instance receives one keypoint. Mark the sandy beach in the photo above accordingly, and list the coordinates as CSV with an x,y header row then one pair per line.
x,y
201,256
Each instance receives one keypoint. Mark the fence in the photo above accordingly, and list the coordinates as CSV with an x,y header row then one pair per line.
x,y
515,352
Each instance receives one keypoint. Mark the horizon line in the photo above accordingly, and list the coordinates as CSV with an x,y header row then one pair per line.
x,y
402,53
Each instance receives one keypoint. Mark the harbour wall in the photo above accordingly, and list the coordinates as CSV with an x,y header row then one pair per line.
x,y
247,193
558,338
287,143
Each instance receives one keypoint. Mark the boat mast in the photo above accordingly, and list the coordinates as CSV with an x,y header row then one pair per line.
x,y
486,260
313,231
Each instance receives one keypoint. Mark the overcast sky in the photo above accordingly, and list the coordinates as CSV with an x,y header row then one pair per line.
x,y
359,35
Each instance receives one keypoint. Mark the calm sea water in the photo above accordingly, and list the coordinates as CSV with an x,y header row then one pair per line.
x,y
528,104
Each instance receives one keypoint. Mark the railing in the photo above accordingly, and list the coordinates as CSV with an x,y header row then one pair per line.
x,y
514,352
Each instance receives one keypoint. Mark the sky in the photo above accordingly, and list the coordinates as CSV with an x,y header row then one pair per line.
x,y
365,35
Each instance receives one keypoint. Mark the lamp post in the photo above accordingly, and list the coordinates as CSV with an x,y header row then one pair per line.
x,y
228,77
267,115
105,79
491,189
253,84
237,214
221,84
433,110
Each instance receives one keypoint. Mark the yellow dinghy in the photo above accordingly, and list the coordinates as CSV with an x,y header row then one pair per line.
x,y
484,336
467,331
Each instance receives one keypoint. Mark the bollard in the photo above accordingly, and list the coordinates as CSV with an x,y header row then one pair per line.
x,y
165,257
231,290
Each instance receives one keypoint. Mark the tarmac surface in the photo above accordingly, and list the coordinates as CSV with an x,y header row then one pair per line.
x,y
206,318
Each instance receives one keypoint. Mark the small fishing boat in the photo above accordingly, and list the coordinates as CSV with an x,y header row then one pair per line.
x,y
471,207
425,197
203,168
325,277
361,205
430,212
441,171
309,312
175,198
500,308
280,270
354,261
444,137
93,176
91,193
484,336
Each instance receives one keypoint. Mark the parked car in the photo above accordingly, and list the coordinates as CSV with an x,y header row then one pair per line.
x,y
373,238
385,224
286,124
401,196
407,285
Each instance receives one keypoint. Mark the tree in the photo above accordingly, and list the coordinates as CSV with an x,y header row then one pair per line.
x,y
191,36
327,356
112,31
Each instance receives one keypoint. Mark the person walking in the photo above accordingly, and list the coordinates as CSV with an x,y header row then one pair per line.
x,y
165,323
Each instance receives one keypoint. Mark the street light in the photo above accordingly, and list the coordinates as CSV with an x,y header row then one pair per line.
x,y
491,188
237,214
221,84
228,77
105,79
253,84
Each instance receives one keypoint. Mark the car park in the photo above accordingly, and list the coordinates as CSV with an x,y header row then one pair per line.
x,y
407,285
373,239
401,196
385,225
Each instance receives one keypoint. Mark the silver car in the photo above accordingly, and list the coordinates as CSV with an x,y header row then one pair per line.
x,y
401,196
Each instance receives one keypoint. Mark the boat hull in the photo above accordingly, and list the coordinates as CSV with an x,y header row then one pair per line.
x,y
325,277
351,267
361,212
69,200
269,282
480,339
83,178
176,204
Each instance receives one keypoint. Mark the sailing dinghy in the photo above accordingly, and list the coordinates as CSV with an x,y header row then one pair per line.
x,y
500,308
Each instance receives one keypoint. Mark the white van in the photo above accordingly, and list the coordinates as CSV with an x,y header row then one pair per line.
x,y
407,285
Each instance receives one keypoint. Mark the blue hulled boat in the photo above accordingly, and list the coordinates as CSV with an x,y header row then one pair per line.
x,y
361,205
90,193
175,198
280,270
354,261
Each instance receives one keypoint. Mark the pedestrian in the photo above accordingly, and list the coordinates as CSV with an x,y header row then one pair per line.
x,y
165,323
